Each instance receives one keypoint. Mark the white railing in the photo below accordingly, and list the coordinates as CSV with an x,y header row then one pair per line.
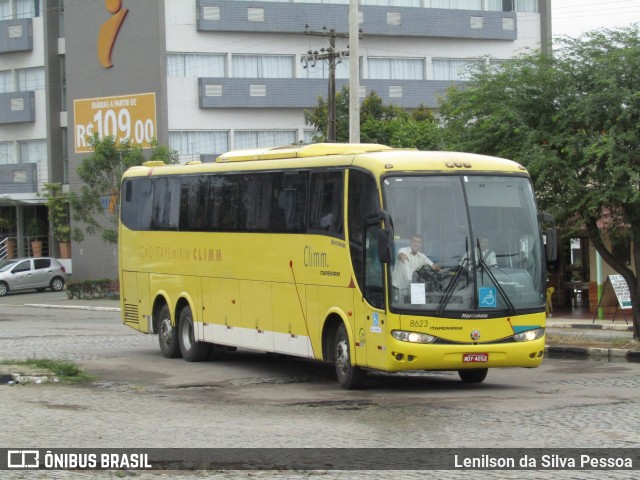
x,y
9,247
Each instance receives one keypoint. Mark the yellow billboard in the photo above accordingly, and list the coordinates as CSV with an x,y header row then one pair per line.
x,y
124,117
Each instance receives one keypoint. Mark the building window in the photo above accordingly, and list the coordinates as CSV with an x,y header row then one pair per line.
x,y
308,136
392,3
30,79
6,153
527,6
320,69
27,8
6,81
508,6
5,10
343,2
189,143
396,68
263,138
457,4
451,69
195,65
33,151
262,66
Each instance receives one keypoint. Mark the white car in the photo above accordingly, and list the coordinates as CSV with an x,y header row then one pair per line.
x,y
31,273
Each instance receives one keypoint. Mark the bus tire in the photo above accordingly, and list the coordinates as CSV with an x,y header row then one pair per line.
x,y
476,375
167,335
192,351
349,376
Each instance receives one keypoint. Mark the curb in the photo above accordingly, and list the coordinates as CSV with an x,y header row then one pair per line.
x,y
74,307
615,354
591,326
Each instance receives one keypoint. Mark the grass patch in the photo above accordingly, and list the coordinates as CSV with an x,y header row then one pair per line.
x,y
64,370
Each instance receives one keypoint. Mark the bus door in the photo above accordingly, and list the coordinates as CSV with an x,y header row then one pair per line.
x,y
370,312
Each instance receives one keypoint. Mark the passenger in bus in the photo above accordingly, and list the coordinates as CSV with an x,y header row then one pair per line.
x,y
485,254
409,260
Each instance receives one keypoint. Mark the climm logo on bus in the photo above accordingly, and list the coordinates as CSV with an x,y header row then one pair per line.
x,y
314,258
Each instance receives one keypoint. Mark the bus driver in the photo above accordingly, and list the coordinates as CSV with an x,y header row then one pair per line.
x,y
409,260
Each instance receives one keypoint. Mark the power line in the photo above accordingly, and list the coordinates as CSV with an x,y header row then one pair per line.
x,y
332,56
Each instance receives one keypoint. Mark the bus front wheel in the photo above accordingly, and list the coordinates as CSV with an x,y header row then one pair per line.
x,y
476,375
167,335
349,376
192,351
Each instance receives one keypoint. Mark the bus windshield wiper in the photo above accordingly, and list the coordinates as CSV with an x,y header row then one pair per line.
x,y
485,268
462,267
449,290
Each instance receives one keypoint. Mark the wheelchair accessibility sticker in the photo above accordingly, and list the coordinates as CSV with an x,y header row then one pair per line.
x,y
487,297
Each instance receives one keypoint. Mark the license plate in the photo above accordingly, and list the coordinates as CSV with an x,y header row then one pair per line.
x,y
475,357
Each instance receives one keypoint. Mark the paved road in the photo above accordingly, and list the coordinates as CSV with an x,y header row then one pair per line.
x,y
143,400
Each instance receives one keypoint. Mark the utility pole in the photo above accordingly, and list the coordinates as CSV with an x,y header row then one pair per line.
x,y
333,57
354,73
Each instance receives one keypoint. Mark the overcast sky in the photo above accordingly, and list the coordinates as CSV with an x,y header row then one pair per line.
x,y
573,17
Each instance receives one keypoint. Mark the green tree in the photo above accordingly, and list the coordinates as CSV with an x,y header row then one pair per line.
x,y
95,206
573,119
379,123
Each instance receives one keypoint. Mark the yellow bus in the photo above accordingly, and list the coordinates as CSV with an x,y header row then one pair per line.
x,y
359,255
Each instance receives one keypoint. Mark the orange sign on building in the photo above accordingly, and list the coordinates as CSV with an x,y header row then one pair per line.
x,y
131,117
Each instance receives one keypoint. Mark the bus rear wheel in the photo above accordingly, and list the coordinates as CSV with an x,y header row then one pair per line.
x,y
167,335
476,375
349,376
192,351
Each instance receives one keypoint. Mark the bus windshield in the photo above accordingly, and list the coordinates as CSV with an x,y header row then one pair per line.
x,y
468,244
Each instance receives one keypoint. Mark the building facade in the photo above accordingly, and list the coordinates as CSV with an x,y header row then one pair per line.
x,y
207,76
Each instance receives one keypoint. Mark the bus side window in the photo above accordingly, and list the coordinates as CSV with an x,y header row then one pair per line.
x,y
136,204
165,213
288,209
193,204
373,270
326,203
363,201
224,203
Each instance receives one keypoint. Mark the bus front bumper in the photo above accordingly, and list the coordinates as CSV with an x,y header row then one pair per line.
x,y
412,356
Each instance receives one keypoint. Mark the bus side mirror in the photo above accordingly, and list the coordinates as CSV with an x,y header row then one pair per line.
x,y
551,237
385,241
551,244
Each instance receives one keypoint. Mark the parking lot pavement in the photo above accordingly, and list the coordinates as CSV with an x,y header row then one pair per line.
x,y
57,300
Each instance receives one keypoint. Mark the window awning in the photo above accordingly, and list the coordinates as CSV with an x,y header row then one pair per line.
x,y
14,199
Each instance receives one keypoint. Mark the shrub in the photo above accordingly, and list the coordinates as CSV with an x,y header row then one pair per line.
x,y
100,288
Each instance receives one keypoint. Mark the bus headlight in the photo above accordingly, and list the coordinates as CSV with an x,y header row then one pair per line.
x,y
412,337
529,335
